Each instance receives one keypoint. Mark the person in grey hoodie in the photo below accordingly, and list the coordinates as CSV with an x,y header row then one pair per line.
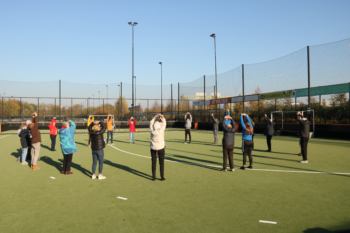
x,y
228,142
269,131
157,127
188,124
215,128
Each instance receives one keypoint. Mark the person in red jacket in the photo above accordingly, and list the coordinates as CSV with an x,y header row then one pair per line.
x,y
132,123
53,133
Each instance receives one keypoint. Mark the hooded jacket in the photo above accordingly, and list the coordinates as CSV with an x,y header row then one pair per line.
x,y
96,137
132,126
304,127
52,127
36,136
157,135
25,140
269,130
188,124
229,133
67,139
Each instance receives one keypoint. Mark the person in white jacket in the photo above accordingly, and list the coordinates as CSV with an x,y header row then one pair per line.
x,y
157,127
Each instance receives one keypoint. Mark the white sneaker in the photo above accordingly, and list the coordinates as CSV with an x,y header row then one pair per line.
x,y
93,177
304,161
111,144
185,142
101,177
24,163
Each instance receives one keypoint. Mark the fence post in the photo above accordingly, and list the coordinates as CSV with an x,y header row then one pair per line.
x,y
308,75
171,101
38,110
2,109
103,103
60,99
178,101
55,107
204,98
243,85
71,108
258,106
121,94
20,109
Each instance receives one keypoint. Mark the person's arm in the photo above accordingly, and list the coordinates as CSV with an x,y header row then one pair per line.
x,y
233,123
35,122
213,118
185,116
190,117
242,122
90,127
299,117
103,128
250,122
268,121
89,140
72,128
163,123
223,124
152,123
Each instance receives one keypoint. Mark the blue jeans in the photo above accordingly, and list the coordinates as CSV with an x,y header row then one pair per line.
x,y
110,132
24,154
132,135
97,155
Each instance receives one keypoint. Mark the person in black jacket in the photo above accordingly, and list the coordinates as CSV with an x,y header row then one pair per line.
x,y
305,134
228,142
269,131
25,141
215,128
96,131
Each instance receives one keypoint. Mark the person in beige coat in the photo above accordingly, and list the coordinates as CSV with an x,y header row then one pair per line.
x,y
157,128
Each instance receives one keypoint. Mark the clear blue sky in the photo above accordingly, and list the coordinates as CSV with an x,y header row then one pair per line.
x,y
90,41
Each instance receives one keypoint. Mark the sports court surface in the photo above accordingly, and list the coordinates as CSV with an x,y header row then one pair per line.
x,y
196,196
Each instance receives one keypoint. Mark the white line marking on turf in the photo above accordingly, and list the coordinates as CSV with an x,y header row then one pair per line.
x,y
263,221
6,135
205,165
123,198
52,177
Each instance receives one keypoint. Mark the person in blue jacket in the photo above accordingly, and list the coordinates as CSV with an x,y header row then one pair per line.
x,y
247,140
227,113
68,146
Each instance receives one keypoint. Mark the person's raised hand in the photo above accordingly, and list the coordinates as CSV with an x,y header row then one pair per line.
x,y
96,122
69,121
54,118
212,114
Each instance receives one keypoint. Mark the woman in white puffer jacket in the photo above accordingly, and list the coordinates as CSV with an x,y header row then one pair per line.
x,y
157,127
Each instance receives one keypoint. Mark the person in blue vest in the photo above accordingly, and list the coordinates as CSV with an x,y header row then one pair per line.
x,y
68,146
247,140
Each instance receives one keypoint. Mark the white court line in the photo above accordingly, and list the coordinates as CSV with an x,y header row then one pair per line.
x,y
263,221
205,165
6,135
123,198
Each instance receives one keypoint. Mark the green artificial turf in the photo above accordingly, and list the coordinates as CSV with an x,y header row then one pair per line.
x,y
193,198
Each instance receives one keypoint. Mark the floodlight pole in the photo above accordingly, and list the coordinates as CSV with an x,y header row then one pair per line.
x,y
161,87
132,76
308,75
216,76
107,99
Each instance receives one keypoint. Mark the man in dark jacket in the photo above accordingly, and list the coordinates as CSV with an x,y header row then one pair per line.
x,y
304,134
269,131
96,131
228,142
215,128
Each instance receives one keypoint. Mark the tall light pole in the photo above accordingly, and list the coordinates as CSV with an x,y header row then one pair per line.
x,y
99,103
135,91
93,103
107,99
132,76
216,75
161,87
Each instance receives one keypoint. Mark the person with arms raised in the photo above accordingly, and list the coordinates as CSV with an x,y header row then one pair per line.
x,y
247,140
96,131
228,142
68,146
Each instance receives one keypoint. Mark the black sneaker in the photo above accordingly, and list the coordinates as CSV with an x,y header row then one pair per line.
x,y
251,167
243,168
154,179
162,179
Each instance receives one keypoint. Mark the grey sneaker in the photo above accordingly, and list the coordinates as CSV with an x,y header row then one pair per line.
x,y
93,177
101,177
304,161
24,163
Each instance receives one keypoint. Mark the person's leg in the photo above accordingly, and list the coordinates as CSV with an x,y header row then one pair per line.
x,y
54,142
185,135
64,168
215,136
154,163
101,156
133,137
230,156
245,152
24,155
94,161
306,143
130,137
36,148
112,137
250,149
69,162
161,154
224,152
51,138
108,136
190,134
302,141
29,153
268,138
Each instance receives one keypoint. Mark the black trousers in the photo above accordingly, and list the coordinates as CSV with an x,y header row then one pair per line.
x,y
188,131
227,152
268,140
67,161
303,143
161,154
247,150
29,153
53,141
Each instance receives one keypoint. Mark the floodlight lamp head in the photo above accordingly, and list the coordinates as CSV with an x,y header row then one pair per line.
x,y
135,23
212,35
160,62
129,23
